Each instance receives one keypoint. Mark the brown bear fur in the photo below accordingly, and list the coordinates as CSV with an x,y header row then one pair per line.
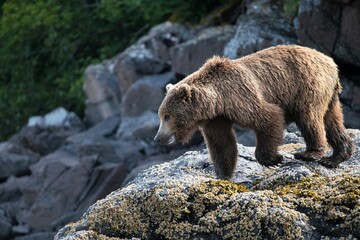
x,y
261,91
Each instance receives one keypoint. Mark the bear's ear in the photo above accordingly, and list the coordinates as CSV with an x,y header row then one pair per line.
x,y
184,92
168,87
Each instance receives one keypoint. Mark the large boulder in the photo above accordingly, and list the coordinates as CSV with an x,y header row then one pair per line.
x,y
149,55
15,160
61,177
44,134
106,83
164,36
181,199
262,26
139,127
102,92
145,94
189,56
140,105
330,27
135,62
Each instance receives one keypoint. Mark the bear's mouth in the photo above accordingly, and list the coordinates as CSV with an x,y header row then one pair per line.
x,y
167,140
171,140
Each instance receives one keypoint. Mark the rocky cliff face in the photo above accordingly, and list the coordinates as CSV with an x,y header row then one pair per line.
x,y
182,199
59,165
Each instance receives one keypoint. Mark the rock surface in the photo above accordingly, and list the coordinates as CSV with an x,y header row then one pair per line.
x,y
191,55
329,27
102,92
262,26
182,199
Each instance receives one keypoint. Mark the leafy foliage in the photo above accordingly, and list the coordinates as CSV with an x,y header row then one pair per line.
x,y
46,45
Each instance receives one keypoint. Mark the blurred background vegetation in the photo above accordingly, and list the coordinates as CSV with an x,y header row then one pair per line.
x,y
45,45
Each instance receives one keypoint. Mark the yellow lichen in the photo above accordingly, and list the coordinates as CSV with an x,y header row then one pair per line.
x,y
221,209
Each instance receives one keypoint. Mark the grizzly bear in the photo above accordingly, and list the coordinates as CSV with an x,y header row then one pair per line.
x,y
262,91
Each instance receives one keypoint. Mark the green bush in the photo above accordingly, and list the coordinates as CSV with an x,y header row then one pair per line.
x,y
47,44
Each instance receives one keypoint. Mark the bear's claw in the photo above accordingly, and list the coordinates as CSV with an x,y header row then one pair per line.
x,y
333,161
310,155
271,161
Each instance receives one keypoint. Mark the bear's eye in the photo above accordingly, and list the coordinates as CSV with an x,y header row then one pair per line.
x,y
166,117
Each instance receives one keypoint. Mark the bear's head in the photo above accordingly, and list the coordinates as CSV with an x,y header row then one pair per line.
x,y
178,115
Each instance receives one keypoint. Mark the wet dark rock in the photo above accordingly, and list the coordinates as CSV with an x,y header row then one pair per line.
x,y
5,226
329,27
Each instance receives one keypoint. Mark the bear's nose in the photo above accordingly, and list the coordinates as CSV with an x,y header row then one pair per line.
x,y
156,138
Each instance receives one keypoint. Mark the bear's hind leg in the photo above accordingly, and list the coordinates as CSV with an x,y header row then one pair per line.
x,y
269,135
221,143
336,135
313,130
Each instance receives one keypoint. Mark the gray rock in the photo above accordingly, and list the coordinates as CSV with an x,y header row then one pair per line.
x,y
97,112
58,118
329,27
12,164
189,56
141,127
351,117
66,218
42,140
37,236
153,160
5,226
164,36
61,177
246,137
102,92
149,55
347,94
317,24
47,133
181,198
10,190
134,63
263,26
20,230
355,104
15,160
104,129
145,94
113,151
347,47
104,179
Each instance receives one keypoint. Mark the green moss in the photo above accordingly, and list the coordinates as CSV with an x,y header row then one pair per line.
x,y
290,8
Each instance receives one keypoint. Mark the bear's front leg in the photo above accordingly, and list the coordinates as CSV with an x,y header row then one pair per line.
x,y
221,142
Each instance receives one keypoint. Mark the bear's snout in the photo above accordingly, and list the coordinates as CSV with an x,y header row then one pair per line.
x,y
157,138
165,139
